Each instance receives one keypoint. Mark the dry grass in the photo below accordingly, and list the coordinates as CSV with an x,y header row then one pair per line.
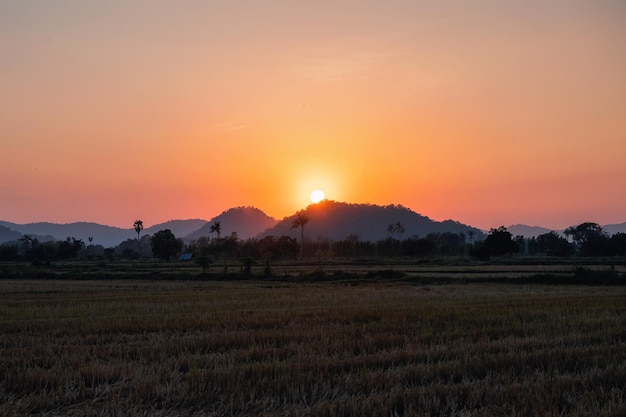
x,y
216,349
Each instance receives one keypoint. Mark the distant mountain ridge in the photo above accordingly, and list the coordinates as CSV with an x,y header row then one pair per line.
x,y
612,229
103,235
527,231
534,231
336,221
107,236
368,222
7,235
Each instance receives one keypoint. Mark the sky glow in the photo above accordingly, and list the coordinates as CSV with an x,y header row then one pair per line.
x,y
486,112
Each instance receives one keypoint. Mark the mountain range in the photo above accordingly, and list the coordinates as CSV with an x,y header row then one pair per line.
x,y
327,219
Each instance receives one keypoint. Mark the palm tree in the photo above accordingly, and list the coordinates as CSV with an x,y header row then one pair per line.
x,y
470,233
300,221
399,229
390,230
217,228
28,242
138,227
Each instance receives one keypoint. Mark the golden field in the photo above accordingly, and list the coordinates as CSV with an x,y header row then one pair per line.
x,y
218,348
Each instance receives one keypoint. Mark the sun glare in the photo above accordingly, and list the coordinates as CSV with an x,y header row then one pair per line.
x,y
317,196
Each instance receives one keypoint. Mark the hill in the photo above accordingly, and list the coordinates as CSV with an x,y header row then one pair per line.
x,y
247,222
103,235
527,231
337,220
8,235
180,228
534,231
107,236
611,229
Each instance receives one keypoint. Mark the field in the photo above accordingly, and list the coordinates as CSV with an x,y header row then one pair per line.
x,y
330,348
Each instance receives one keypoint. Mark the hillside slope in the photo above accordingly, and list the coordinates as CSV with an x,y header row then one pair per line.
x,y
337,220
247,222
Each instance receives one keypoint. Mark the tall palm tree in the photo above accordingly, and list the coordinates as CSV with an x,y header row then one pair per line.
x,y
217,228
27,242
399,229
300,221
138,228
138,225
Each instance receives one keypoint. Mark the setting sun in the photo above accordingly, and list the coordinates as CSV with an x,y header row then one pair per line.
x,y
317,196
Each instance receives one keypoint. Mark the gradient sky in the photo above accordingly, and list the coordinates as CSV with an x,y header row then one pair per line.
x,y
489,112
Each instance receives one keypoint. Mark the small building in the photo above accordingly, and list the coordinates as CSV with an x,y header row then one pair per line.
x,y
186,256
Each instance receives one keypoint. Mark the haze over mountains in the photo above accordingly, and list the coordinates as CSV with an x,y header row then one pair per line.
x,y
327,219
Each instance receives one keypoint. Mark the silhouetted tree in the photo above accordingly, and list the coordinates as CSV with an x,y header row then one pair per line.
x,y
419,247
448,243
300,221
249,248
590,237
284,247
618,244
202,246
266,247
390,248
138,225
246,265
69,248
132,249
399,229
216,228
27,244
229,245
165,245
480,252
390,230
550,244
346,247
8,252
204,262
500,242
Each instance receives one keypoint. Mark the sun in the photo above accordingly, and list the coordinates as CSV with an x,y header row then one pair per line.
x,y
317,196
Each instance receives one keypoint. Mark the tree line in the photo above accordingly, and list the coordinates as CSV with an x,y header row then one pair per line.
x,y
586,239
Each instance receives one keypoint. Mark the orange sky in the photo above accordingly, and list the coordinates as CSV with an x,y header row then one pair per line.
x,y
487,112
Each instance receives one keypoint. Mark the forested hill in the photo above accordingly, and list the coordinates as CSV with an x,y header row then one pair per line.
x,y
337,220
247,222
180,228
7,235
